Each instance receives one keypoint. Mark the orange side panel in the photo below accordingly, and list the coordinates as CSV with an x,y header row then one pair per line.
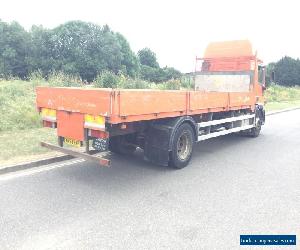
x,y
88,101
70,125
208,100
141,102
241,99
132,105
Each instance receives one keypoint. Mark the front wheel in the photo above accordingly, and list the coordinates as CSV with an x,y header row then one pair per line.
x,y
255,131
182,147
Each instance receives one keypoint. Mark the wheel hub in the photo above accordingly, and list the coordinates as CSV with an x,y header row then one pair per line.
x,y
183,146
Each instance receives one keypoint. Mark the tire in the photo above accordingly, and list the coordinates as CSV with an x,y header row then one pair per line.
x,y
113,144
117,144
254,132
182,147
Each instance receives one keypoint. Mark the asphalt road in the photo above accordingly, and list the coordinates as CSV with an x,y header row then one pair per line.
x,y
233,185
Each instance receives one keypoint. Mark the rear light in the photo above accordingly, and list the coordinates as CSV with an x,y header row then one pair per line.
x,y
94,122
48,114
49,124
98,134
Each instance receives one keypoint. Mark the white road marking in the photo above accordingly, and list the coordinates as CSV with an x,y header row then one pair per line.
x,y
35,170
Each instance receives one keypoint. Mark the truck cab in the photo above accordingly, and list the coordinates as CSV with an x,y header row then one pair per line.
x,y
230,66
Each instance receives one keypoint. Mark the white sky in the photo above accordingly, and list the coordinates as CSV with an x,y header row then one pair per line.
x,y
176,31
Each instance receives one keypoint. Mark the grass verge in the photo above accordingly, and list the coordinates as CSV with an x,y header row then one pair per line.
x,y
273,106
23,145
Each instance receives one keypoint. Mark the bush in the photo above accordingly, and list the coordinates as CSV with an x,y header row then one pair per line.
x,y
61,79
107,79
55,79
169,85
17,105
277,93
17,99
187,82
130,83
159,75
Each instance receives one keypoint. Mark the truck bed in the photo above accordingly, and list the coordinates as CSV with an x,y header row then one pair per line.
x,y
120,106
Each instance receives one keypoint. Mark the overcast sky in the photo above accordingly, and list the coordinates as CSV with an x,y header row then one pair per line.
x,y
176,31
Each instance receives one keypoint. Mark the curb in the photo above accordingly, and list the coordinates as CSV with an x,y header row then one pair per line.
x,y
33,164
281,111
38,163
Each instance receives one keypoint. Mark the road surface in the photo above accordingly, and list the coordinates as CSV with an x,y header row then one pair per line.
x,y
233,185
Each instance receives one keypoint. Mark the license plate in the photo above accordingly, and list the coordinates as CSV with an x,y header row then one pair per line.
x,y
72,142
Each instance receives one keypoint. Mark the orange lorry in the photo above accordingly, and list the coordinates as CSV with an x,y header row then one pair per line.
x,y
166,124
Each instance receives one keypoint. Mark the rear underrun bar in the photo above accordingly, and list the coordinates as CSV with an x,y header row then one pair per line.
x,y
101,161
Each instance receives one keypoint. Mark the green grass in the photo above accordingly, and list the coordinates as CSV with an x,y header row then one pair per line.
x,y
17,100
21,144
279,97
272,106
17,106
277,93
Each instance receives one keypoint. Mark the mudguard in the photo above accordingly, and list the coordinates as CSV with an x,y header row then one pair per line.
x,y
160,136
261,113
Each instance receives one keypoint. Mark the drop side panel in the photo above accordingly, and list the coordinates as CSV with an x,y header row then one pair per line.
x,y
87,101
143,102
208,100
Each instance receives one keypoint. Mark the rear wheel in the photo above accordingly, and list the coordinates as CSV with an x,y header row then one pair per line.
x,y
182,147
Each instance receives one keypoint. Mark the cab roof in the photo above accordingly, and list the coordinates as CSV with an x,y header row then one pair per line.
x,y
237,48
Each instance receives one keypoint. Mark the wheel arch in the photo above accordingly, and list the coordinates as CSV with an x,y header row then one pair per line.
x,y
160,137
260,111
189,120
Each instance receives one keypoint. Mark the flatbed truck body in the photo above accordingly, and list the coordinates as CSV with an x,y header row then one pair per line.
x,y
228,98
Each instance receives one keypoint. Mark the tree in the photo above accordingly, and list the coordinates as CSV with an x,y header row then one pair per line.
x,y
81,48
129,61
171,73
88,49
150,69
76,48
287,71
150,74
42,51
158,74
269,71
148,58
13,50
